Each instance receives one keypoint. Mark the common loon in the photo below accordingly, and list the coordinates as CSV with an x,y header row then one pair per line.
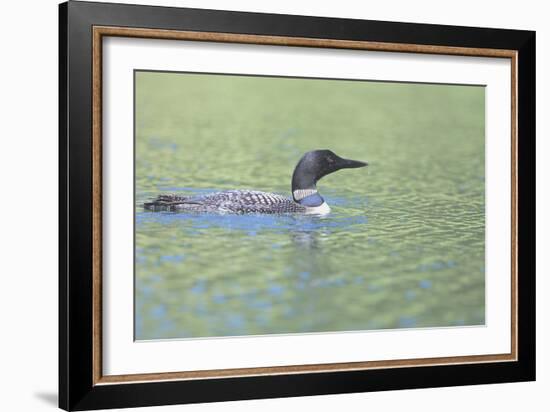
x,y
305,198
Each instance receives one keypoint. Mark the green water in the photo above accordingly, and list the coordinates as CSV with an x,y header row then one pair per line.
x,y
402,248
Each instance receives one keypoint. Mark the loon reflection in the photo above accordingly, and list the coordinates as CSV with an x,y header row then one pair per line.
x,y
306,199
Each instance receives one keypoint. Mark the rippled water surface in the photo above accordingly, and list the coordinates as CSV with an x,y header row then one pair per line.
x,y
402,248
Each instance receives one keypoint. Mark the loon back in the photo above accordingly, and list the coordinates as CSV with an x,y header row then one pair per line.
x,y
229,201
312,167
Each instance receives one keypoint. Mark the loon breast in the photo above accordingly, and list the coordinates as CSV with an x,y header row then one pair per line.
x,y
323,209
229,201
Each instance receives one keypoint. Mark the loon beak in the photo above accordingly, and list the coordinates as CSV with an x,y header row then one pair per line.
x,y
351,164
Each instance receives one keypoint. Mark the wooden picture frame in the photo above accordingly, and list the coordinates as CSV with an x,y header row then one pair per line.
x,y
82,384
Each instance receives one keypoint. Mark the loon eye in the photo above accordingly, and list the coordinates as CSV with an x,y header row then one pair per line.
x,y
330,160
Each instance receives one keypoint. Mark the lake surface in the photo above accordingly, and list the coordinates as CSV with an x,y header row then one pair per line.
x,y
402,248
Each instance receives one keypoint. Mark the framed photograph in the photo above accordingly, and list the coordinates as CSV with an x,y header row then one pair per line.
x,y
256,205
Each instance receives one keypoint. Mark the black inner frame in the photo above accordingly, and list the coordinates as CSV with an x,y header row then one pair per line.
x,y
76,388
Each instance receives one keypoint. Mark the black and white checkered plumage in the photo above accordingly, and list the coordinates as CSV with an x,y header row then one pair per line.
x,y
230,201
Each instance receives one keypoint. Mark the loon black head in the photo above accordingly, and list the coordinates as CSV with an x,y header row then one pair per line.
x,y
312,167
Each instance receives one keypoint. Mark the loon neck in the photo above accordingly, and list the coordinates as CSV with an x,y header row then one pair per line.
x,y
308,197
304,187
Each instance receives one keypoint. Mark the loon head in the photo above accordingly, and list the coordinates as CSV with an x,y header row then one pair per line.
x,y
312,167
